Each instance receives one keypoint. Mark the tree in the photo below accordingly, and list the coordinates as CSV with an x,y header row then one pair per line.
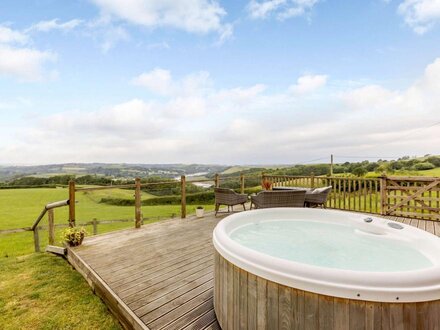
x,y
424,166
359,171
435,160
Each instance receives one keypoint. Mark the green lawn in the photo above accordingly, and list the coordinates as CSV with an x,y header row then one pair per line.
x,y
432,173
40,291
235,169
20,207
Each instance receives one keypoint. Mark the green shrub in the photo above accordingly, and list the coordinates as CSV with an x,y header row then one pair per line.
x,y
435,160
28,186
117,201
359,171
198,198
424,166
74,236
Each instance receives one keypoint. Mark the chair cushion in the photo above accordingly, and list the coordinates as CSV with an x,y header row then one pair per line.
x,y
320,190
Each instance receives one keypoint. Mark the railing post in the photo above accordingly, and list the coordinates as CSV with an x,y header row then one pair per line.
x,y
95,226
36,240
263,178
183,197
383,195
331,165
241,183
312,180
137,203
51,227
72,203
217,180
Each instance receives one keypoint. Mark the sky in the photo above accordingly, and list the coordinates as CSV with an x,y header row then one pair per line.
x,y
218,81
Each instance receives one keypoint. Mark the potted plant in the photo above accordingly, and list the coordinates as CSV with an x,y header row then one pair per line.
x,y
266,184
200,210
74,236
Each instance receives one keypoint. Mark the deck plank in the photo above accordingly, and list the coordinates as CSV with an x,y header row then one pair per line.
x,y
189,268
163,273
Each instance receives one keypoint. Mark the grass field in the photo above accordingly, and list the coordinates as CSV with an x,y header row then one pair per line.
x,y
235,169
20,207
431,173
40,291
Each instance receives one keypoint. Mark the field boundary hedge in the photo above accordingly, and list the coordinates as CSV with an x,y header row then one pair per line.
x,y
197,198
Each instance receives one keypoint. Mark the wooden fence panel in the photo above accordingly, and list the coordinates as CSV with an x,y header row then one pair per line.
x,y
415,197
412,197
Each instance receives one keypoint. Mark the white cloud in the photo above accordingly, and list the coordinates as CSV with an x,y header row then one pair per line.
x,y
21,62
243,124
160,82
421,97
54,24
26,64
125,119
106,33
7,35
308,83
225,33
368,97
283,9
420,15
197,16
239,95
113,35
263,9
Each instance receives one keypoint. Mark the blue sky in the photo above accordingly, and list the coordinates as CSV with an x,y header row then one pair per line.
x,y
254,81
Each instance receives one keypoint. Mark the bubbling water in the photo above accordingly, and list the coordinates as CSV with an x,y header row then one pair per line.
x,y
330,245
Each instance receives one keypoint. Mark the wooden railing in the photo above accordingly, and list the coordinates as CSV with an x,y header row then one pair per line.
x,y
52,226
351,194
137,196
51,223
415,197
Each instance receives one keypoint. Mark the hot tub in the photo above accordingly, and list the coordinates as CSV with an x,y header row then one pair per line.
x,y
314,268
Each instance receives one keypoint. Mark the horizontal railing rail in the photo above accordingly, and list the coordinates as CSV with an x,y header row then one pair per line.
x,y
83,224
48,208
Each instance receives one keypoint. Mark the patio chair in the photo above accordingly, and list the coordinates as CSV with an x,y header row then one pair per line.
x,y
225,196
292,188
318,197
267,199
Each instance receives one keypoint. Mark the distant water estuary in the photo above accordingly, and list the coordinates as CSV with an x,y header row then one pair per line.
x,y
198,184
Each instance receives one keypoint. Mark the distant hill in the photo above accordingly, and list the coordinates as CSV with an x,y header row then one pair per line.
x,y
427,165
120,171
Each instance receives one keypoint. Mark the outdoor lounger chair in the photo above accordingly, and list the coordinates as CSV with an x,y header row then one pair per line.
x,y
267,199
314,196
229,197
318,197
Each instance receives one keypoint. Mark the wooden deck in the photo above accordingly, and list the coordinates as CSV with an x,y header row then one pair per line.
x,y
161,275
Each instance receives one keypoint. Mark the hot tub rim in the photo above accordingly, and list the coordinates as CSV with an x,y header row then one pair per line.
x,y
407,286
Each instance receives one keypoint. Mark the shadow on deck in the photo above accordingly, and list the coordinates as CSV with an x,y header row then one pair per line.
x,y
161,276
